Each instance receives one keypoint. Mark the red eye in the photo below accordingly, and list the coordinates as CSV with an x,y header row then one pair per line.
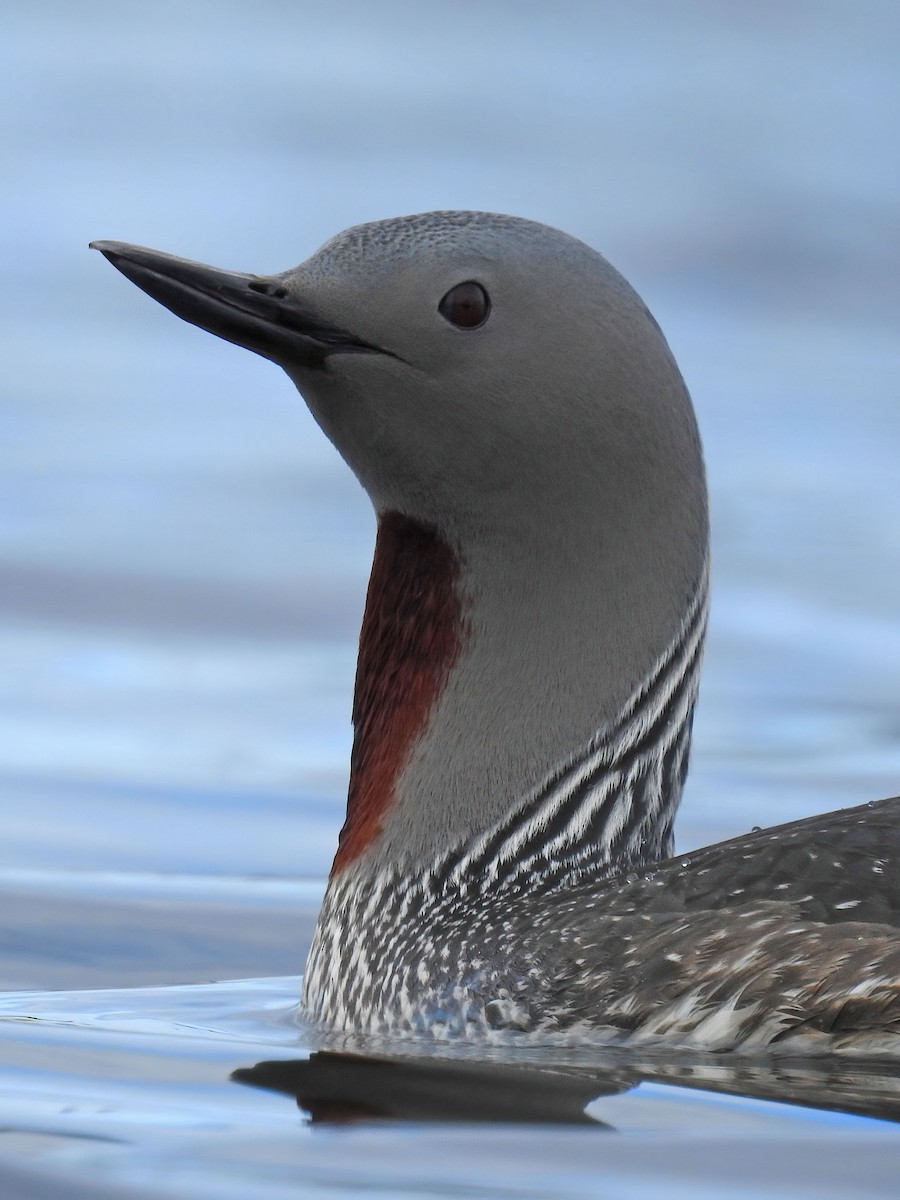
x,y
466,306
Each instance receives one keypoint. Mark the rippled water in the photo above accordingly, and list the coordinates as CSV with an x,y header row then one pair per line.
x,y
139,1097
183,557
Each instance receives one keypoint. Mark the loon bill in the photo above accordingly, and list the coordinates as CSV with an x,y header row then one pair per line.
x,y
529,661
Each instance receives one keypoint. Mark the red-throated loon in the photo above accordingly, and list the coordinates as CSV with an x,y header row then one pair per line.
x,y
528,665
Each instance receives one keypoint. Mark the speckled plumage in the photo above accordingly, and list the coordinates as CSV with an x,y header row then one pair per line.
x,y
728,946
514,791
788,936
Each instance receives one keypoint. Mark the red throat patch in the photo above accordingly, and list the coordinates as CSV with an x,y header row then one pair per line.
x,y
412,634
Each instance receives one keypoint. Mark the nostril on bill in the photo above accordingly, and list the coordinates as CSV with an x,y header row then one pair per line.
x,y
267,289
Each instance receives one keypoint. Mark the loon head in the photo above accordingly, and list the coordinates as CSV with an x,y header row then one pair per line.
x,y
523,432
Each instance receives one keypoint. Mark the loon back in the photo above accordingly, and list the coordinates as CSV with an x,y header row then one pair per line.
x,y
530,651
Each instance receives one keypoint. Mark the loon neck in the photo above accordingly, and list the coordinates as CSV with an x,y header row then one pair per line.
x,y
412,632
391,927
497,692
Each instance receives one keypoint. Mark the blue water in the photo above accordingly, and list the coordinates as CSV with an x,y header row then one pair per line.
x,y
183,556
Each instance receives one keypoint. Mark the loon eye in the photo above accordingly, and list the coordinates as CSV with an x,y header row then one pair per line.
x,y
466,306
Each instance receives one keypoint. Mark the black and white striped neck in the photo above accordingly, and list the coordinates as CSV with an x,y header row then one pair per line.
x,y
605,810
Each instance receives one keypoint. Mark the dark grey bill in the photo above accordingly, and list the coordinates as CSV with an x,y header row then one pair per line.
x,y
253,311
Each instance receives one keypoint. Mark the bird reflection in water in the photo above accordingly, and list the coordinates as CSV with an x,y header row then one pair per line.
x,y
340,1088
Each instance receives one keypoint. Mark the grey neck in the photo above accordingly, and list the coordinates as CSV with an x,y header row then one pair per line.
x,y
561,638
611,805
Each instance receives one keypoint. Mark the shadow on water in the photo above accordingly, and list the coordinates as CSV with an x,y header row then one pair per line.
x,y
335,1088
339,1088
130,1092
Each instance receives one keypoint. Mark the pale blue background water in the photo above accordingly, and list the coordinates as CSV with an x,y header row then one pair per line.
x,y
183,557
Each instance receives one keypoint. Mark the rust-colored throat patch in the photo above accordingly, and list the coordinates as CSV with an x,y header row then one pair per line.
x,y
412,635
